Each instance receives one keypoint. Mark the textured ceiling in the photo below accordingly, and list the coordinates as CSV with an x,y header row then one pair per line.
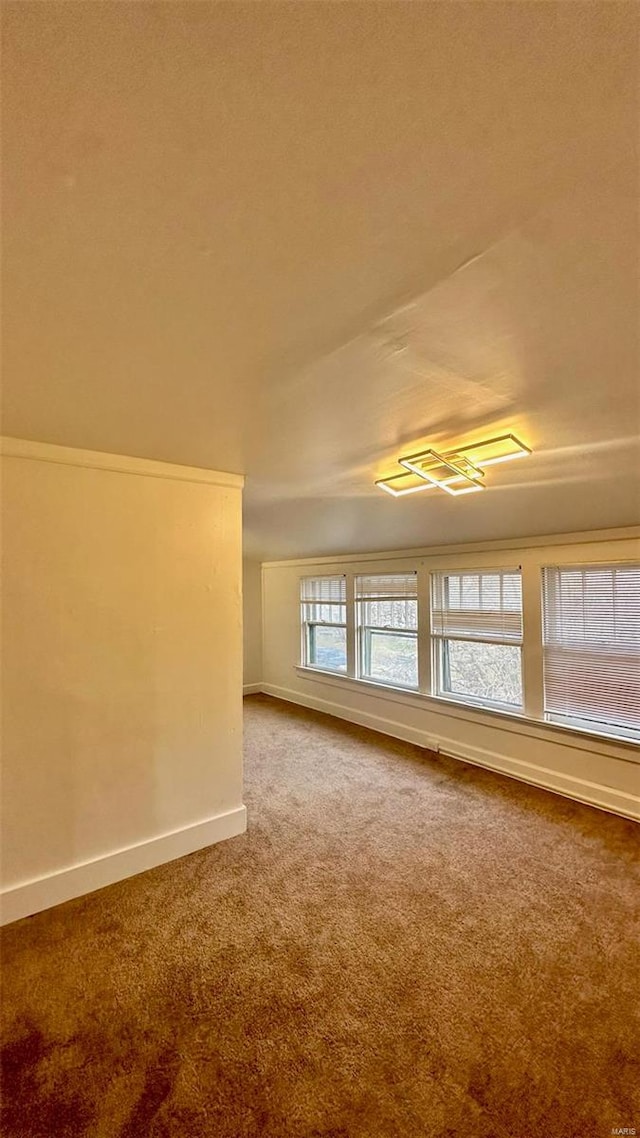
x,y
294,240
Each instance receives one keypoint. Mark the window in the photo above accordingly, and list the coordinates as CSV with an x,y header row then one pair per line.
x,y
476,627
592,646
387,623
323,604
585,654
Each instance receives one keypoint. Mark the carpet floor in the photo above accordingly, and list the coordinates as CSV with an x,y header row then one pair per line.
x,y
401,945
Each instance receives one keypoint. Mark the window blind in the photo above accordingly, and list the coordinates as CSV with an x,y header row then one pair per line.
x,y
324,590
485,604
592,643
387,600
324,599
395,586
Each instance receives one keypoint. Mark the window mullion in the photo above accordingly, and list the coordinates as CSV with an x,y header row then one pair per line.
x,y
425,684
351,626
532,650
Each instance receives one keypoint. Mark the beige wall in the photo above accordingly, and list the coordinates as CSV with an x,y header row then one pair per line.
x,y
593,770
122,667
252,622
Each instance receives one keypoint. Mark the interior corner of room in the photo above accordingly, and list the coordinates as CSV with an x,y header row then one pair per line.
x,y
320,502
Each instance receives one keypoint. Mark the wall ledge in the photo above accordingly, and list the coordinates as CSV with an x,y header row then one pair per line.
x,y
612,746
581,790
117,463
29,897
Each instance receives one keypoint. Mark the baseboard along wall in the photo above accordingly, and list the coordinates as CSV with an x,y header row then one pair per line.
x,y
581,790
29,897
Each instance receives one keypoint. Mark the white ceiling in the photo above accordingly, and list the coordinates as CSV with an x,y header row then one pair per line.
x,y
296,240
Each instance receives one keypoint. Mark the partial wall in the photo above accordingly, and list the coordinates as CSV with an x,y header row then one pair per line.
x,y
122,668
252,624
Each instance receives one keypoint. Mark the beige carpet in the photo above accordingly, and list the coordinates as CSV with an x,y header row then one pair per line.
x,y
400,946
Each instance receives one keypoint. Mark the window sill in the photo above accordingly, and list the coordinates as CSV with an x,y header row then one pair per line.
x,y
514,721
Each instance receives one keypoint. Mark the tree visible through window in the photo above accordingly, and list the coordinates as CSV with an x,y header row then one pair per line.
x,y
387,622
476,624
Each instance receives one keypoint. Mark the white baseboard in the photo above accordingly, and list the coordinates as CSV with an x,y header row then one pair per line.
x,y
43,892
594,794
380,723
251,689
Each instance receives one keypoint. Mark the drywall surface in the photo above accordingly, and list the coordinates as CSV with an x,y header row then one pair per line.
x,y
252,623
122,663
593,770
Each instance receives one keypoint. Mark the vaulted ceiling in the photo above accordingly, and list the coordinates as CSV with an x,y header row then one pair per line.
x,y
297,240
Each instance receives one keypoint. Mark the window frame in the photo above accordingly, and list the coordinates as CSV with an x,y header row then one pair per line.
x,y
596,648
308,627
441,651
364,630
615,548
439,645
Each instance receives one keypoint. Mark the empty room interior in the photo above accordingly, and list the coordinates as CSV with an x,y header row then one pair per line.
x,y
320,784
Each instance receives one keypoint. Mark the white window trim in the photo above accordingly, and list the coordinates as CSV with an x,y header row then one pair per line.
x,y
441,692
365,629
439,640
359,672
425,642
351,627
306,646
305,625
532,649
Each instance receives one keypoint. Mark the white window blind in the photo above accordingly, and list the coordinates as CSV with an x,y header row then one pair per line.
x,y
482,605
397,586
324,590
592,645
387,622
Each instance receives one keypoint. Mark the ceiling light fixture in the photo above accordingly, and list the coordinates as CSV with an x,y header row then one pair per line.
x,y
400,484
502,448
462,467
429,463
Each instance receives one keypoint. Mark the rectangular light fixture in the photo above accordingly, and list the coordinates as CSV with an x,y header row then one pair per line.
x,y
456,467
503,448
400,484
459,471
